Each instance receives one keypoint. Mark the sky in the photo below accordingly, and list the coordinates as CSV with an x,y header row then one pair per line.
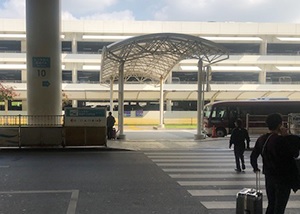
x,y
283,11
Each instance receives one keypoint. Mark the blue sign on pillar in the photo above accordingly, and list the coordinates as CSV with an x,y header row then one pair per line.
x,y
41,66
41,62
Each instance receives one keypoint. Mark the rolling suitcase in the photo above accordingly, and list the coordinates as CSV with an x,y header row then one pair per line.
x,y
113,133
250,200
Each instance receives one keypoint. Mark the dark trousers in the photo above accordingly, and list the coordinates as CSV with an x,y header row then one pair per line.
x,y
239,157
109,132
278,193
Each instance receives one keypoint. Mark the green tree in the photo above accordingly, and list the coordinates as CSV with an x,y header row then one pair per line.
x,y
65,99
7,93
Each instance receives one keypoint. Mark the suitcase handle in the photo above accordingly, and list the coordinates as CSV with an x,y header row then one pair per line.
x,y
257,180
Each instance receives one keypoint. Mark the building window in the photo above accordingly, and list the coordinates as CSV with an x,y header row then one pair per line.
x,y
88,76
242,48
184,77
10,75
285,49
66,46
66,76
10,46
237,77
91,47
283,77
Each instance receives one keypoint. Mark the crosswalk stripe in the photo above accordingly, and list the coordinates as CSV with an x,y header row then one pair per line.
x,y
219,183
226,192
216,192
221,169
210,174
192,160
197,164
189,153
224,176
190,156
232,204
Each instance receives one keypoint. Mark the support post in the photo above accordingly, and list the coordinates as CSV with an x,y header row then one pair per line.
x,y
121,101
43,31
111,93
161,104
200,135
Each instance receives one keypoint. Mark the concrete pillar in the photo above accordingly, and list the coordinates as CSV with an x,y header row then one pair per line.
x,y
74,44
200,134
263,47
262,76
169,105
74,74
23,46
169,102
121,102
161,104
111,95
43,29
23,75
74,103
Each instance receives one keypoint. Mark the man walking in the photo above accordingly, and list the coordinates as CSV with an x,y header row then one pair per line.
x,y
238,137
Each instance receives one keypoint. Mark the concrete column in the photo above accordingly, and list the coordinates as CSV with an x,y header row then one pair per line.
x,y
121,102
111,95
263,47
169,105
161,104
74,74
262,76
23,46
74,103
74,44
200,134
23,76
43,29
169,102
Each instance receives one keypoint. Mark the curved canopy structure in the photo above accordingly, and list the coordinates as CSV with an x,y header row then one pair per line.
x,y
152,56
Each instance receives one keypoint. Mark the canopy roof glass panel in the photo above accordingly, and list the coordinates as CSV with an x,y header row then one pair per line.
x,y
153,56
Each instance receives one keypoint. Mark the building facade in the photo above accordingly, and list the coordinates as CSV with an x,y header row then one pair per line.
x,y
264,62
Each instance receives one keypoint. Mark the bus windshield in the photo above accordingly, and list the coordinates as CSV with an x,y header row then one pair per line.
x,y
219,112
207,111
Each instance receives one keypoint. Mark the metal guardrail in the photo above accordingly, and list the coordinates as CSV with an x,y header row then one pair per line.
x,y
31,121
258,121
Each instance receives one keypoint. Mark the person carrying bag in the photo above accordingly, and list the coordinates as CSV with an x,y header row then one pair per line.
x,y
278,150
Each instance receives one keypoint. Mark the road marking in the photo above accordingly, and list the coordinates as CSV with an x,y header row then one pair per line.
x,y
219,183
4,166
179,154
73,200
218,164
216,192
232,204
224,176
192,160
210,176
220,169
189,157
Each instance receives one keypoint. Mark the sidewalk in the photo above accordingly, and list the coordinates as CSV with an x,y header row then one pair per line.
x,y
169,139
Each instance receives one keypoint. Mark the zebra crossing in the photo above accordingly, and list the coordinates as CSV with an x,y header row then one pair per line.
x,y
208,175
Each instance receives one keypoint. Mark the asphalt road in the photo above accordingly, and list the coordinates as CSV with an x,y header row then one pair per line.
x,y
91,181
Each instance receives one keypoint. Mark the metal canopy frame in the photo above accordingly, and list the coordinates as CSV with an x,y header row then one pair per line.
x,y
153,56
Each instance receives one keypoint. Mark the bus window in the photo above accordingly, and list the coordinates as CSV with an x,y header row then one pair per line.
x,y
219,112
207,111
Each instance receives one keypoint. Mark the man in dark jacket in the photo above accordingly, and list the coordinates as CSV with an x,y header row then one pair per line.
x,y
238,137
110,122
278,155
